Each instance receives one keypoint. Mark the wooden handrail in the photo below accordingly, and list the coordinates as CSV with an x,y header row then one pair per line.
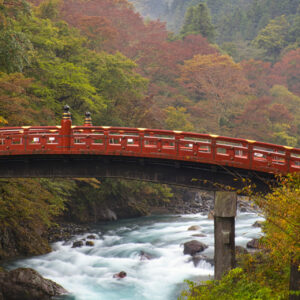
x,y
152,143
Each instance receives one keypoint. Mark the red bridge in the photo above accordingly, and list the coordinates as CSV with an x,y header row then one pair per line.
x,y
34,145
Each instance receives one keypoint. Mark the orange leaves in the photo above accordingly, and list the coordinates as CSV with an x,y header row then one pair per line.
x,y
216,76
216,80
14,83
15,101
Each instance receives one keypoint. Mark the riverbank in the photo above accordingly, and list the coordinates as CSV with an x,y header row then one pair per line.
x,y
38,240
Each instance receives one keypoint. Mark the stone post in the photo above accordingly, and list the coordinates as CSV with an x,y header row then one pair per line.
x,y
224,221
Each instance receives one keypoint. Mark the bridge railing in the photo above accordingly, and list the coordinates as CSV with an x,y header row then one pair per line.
x,y
152,143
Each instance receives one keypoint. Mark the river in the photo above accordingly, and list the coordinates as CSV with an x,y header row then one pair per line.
x,y
87,272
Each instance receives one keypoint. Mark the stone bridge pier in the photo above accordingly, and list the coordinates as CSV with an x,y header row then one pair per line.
x,y
224,227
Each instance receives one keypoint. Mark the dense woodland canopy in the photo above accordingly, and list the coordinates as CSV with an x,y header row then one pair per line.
x,y
104,57
235,71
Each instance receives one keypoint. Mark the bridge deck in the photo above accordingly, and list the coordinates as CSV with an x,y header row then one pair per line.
x,y
149,143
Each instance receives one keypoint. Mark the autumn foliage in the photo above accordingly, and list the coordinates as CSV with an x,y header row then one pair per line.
x,y
282,211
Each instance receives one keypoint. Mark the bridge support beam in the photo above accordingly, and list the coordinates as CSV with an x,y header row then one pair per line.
x,y
224,221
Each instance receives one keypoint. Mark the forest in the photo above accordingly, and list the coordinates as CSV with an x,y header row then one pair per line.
x,y
222,67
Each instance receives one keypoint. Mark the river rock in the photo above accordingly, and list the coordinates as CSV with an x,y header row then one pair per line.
x,y
193,247
199,235
258,224
145,256
90,243
240,250
91,237
65,231
198,257
254,244
210,215
28,284
194,228
77,244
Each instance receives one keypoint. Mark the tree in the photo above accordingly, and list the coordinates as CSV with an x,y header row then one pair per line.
x,y
216,78
287,71
177,119
18,106
281,208
99,30
272,38
294,31
122,89
49,9
197,21
14,48
258,73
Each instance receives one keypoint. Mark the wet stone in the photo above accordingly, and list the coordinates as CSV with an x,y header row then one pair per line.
x,y
193,247
90,243
77,244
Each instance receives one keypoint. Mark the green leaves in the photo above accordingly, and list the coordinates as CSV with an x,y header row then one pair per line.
x,y
272,39
70,84
197,20
234,286
14,51
177,119
115,79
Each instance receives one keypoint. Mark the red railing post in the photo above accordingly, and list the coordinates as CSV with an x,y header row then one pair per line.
x,y
88,120
65,131
177,139
288,159
250,155
213,147
87,130
141,138
25,138
106,140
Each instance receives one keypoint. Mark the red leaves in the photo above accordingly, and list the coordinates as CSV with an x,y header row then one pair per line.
x,y
287,71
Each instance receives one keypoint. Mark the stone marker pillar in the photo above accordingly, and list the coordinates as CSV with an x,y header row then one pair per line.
x,y
224,219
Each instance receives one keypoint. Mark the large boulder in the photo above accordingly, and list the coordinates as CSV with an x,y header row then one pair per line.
x,y
28,284
193,247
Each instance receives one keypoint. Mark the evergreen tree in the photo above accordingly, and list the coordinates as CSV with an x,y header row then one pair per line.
x,y
197,20
272,38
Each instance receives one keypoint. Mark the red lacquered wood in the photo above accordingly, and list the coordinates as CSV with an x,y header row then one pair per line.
x,y
151,143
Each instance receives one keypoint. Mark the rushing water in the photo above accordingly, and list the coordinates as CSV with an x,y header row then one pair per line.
x,y
87,272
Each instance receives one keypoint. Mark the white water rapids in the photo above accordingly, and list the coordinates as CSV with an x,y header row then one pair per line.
x,y
87,272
